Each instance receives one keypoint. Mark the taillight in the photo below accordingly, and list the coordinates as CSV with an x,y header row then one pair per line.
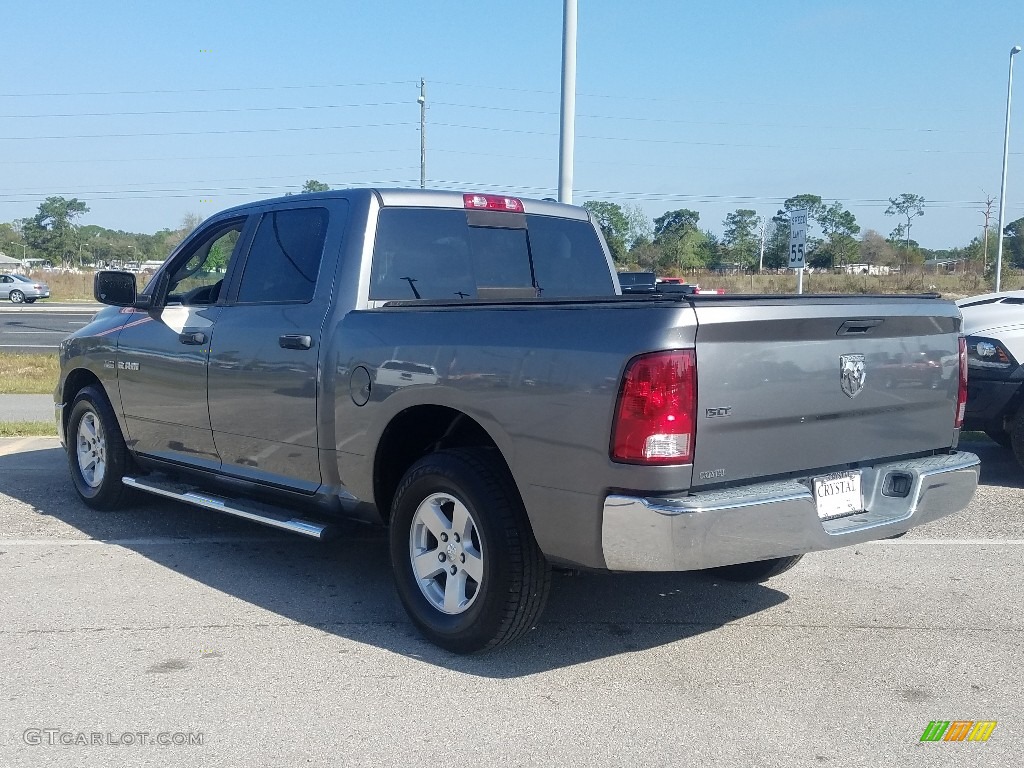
x,y
961,392
655,417
493,203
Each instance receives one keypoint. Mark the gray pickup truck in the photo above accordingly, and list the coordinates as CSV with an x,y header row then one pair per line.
x,y
466,370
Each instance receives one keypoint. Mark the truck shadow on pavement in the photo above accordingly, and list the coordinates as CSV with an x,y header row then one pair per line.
x,y
345,588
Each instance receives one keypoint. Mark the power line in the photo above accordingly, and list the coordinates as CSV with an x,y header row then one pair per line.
x,y
80,191
731,145
205,90
259,156
716,123
205,133
224,110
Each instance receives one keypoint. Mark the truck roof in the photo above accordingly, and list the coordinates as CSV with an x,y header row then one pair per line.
x,y
422,198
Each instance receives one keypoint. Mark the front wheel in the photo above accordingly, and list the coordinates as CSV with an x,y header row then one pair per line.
x,y
16,297
467,567
97,452
756,572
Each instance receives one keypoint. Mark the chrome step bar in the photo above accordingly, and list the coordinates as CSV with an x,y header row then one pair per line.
x,y
257,513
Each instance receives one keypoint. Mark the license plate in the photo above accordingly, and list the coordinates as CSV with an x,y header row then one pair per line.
x,y
838,494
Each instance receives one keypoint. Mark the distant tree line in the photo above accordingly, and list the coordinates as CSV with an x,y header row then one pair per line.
x,y
675,241
53,235
671,243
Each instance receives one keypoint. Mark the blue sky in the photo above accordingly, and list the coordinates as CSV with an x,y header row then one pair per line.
x,y
151,111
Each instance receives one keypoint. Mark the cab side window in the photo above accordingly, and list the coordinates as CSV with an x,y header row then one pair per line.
x,y
199,279
285,256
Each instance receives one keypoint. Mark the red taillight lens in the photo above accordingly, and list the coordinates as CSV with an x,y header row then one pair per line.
x,y
655,418
493,203
961,393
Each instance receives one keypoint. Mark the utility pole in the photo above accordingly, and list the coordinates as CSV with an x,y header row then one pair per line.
x,y
423,132
989,200
568,117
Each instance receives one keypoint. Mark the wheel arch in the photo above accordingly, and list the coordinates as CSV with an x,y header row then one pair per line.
x,y
416,432
77,380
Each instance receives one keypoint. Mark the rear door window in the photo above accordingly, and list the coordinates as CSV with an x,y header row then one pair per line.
x,y
446,254
284,259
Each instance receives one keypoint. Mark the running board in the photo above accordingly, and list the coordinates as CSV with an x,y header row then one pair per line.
x,y
256,512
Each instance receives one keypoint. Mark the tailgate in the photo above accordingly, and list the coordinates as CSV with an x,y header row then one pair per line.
x,y
809,383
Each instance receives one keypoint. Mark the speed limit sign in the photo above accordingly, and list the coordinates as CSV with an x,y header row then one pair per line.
x,y
797,238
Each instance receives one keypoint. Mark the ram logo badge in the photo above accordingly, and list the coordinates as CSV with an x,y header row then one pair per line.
x,y
852,373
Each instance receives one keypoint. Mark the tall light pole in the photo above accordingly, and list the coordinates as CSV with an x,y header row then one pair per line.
x,y
422,99
568,122
1006,154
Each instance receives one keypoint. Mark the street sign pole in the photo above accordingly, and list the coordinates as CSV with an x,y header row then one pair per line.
x,y
797,245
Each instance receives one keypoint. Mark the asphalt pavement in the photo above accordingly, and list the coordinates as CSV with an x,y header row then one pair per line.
x,y
39,327
247,647
26,408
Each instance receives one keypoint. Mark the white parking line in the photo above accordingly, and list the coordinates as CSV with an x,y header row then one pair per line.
x,y
28,346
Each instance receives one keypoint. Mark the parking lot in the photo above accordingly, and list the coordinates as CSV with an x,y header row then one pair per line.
x,y
236,644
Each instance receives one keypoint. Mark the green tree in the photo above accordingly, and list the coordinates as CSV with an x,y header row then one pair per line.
x,y
907,205
312,185
614,224
52,230
1013,242
840,228
741,238
776,245
709,250
674,224
679,240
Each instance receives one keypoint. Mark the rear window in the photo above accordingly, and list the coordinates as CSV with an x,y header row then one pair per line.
x,y
433,253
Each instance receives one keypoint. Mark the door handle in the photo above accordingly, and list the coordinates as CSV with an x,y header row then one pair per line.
x,y
295,341
192,337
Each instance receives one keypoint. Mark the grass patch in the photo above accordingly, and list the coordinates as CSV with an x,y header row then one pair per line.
x,y
28,428
26,374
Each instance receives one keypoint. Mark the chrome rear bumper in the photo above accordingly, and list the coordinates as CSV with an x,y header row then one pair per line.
x,y
777,519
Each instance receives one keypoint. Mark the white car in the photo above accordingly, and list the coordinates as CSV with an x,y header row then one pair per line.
x,y
994,326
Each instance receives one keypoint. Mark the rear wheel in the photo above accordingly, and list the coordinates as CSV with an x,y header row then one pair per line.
x,y
759,571
16,297
467,567
97,452
1017,436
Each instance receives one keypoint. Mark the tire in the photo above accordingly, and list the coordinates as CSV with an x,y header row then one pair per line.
x,y
756,572
1017,436
460,509
96,451
30,301
1000,436
16,297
